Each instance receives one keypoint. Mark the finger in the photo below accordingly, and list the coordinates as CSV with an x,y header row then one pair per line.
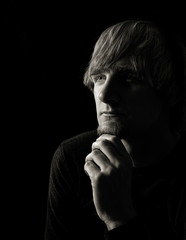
x,y
117,143
107,148
113,147
91,169
99,159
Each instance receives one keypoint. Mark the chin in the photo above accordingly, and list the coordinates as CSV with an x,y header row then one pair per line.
x,y
112,128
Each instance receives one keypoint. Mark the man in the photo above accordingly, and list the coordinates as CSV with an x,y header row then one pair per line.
x,y
134,161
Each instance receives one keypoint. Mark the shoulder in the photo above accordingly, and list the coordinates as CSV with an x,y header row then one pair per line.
x,y
76,147
179,152
85,137
80,141
182,141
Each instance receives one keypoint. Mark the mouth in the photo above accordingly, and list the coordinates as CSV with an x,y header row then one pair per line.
x,y
112,114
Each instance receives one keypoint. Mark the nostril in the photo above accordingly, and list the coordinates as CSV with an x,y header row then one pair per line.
x,y
108,96
108,91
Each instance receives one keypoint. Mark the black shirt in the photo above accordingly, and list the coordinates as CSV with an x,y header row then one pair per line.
x,y
157,197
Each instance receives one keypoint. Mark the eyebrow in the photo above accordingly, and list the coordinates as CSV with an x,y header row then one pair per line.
x,y
125,68
99,71
118,69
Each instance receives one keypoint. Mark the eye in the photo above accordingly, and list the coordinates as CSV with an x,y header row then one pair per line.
x,y
128,78
98,78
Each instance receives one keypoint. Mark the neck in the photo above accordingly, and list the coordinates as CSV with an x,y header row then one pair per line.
x,y
151,147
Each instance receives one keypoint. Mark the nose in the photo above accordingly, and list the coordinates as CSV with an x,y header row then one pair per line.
x,y
109,92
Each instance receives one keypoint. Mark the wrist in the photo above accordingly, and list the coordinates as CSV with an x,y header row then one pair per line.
x,y
111,224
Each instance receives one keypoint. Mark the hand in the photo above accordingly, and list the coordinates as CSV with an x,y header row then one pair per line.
x,y
109,167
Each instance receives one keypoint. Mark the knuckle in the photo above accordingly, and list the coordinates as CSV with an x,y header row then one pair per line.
x,y
104,143
94,145
100,144
96,152
114,139
120,162
114,170
119,165
86,168
99,177
88,157
110,171
87,164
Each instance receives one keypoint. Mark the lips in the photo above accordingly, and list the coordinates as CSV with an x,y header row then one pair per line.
x,y
112,113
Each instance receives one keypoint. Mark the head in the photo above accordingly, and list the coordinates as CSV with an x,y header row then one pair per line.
x,y
136,73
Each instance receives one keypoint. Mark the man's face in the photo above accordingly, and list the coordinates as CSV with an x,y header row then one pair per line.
x,y
125,105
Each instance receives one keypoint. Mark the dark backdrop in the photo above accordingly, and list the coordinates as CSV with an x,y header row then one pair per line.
x,y
45,49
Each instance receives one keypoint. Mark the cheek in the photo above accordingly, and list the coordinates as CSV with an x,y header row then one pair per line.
x,y
147,107
96,98
97,102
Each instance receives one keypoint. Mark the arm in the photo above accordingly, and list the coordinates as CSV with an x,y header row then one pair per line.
x,y
134,229
61,211
109,167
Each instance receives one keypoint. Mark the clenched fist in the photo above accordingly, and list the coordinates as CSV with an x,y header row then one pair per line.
x,y
109,167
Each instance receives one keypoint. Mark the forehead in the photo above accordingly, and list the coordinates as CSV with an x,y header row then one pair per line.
x,y
123,64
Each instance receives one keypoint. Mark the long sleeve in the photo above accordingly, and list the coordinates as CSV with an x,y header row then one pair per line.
x,y
130,231
158,197
61,199
70,210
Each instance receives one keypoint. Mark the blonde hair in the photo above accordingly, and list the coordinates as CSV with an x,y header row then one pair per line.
x,y
150,49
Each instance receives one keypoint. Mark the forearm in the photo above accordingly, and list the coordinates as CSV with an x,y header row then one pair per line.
x,y
127,215
132,230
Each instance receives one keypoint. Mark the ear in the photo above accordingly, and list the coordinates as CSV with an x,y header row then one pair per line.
x,y
174,92
184,60
173,96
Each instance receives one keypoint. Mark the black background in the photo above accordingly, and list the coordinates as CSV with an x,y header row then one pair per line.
x,y
45,48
